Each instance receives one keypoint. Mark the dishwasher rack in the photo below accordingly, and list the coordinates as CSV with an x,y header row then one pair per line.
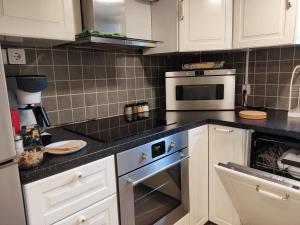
x,y
267,149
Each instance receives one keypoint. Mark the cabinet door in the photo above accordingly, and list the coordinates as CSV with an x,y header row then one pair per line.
x,y
164,27
264,22
205,25
226,144
198,175
48,19
138,19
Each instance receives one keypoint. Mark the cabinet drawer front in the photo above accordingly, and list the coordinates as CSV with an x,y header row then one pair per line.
x,y
104,213
56,197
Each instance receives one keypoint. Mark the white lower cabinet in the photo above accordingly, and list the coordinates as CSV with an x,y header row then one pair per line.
x,y
198,175
226,144
101,213
54,198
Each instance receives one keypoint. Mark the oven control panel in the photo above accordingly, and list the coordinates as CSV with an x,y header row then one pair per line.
x,y
142,155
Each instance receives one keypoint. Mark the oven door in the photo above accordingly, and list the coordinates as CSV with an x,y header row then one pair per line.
x,y
156,193
259,197
200,93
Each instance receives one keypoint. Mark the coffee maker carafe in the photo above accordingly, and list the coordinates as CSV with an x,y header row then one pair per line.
x,y
25,90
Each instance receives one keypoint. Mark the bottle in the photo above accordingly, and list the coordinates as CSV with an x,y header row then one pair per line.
x,y
140,108
19,144
146,107
135,108
128,109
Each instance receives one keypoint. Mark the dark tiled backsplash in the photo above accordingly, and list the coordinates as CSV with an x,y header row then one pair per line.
x,y
87,84
91,84
270,71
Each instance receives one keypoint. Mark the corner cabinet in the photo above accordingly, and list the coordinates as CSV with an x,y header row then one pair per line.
x,y
47,19
198,175
191,25
260,23
226,144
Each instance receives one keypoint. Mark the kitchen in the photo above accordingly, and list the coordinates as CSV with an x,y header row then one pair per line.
x,y
140,112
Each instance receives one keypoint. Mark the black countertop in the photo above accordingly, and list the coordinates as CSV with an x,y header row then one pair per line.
x,y
277,123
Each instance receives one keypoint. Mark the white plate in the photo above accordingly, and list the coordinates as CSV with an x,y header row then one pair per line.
x,y
57,144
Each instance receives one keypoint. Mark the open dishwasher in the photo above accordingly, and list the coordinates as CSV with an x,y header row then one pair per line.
x,y
267,191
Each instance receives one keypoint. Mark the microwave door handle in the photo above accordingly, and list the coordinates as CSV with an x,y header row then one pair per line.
x,y
134,182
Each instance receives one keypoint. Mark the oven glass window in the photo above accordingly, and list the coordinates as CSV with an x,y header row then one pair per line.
x,y
200,92
157,196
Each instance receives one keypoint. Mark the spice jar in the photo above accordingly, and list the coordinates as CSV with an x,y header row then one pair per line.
x,y
135,108
146,107
128,109
140,108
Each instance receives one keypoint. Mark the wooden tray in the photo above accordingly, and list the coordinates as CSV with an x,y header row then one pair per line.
x,y
253,115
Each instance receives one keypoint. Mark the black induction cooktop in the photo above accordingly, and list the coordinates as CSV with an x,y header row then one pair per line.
x,y
114,128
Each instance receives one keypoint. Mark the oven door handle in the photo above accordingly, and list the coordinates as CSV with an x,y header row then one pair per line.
x,y
134,182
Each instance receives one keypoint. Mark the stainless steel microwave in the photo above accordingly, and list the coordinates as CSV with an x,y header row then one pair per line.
x,y
200,90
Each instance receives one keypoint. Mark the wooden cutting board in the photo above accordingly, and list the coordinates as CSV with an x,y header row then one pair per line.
x,y
253,115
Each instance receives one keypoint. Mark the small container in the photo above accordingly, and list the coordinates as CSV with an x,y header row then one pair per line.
x,y
140,108
128,110
146,107
135,108
19,144
31,157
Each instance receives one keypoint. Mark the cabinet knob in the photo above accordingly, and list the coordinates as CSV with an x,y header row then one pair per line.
x,y
81,220
289,4
76,177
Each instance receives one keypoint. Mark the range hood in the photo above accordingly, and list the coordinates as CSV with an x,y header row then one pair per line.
x,y
124,23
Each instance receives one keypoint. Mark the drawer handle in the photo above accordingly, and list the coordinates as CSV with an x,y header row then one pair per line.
x,y
81,220
223,130
76,177
272,195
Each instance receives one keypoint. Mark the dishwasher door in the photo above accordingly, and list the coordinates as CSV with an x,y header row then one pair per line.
x,y
261,198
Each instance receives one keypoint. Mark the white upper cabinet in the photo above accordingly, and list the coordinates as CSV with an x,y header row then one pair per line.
x,y
138,19
260,23
191,25
205,25
47,19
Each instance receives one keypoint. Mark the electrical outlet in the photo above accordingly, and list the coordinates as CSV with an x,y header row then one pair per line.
x,y
16,56
4,56
246,87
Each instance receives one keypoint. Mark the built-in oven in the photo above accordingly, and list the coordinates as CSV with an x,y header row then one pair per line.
x,y
200,90
267,191
153,182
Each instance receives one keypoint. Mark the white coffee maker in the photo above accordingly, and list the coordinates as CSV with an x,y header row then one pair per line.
x,y
25,90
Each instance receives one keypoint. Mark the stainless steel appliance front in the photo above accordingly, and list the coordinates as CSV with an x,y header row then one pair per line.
x,y
153,182
194,90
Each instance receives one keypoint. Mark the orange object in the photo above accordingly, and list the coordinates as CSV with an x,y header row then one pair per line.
x,y
253,115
